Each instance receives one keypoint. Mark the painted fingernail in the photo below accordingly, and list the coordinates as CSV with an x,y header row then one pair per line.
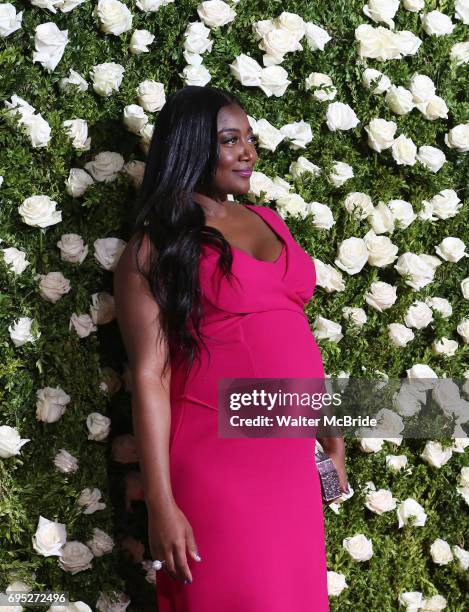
x,y
187,581
198,557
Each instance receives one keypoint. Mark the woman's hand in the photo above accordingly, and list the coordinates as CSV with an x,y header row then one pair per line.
x,y
170,537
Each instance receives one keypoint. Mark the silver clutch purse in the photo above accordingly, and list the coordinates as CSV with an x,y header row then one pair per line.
x,y
330,483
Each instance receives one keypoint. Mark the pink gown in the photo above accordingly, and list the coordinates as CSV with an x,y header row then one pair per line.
x,y
254,504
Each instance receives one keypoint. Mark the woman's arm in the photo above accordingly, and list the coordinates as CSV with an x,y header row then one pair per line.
x,y
138,317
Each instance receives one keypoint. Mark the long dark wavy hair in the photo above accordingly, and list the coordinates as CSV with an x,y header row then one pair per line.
x,y
182,158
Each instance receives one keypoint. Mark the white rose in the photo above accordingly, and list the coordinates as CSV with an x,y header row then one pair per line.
x,y
72,248
356,315
280,188
20,331
359,547
197,38
102,309
215,13
377,43
292,204
381,218
359,204
145,137
402,212
341,172
151,95
376,81
83,324
274,81
78,182
399,334
65,462
340,116
105,166
269,136
435,108
407,42
98,425
419,273
10,441
50,43
464,477
135,169
380,501
101,543
90,500
325,329
316,36
451,249
371,445
444,347
322,215
431,157
77,129
463,330
10,20
409,399
75,557
445,204
422,88
441,552
53,286
74,79
151,6
381,251
322,86
462,556
412,600
382,11
259,183
302,165
39,211
328,277
114,16
418,315
107,77
134,118
420,374
51,404
408,509
73,606
434,604
404,151
352,255
399,100
49,538
196,75
460,53
335,583
461,11
115,602
15,259
437,23
435,455
441,305
298,133
458,138
276,42
380,134
414,6
465,288
396,463
140,41
292,22
246,70
381,296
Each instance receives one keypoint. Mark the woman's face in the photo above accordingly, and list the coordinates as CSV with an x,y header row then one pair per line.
x,y
238,155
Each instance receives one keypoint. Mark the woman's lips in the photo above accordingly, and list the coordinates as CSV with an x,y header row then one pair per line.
x,y
245,173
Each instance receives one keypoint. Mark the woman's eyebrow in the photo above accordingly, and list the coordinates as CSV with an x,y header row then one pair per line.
x,y
232,130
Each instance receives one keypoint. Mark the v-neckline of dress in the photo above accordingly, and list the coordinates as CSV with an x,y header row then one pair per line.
x,y
262,261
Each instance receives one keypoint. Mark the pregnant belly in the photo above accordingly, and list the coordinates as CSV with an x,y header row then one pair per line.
x,y
272,344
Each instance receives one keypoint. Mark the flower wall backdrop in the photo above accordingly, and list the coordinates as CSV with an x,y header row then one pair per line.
x,y
363,125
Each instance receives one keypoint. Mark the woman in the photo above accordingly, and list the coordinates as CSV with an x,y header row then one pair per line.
x,y
207,289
